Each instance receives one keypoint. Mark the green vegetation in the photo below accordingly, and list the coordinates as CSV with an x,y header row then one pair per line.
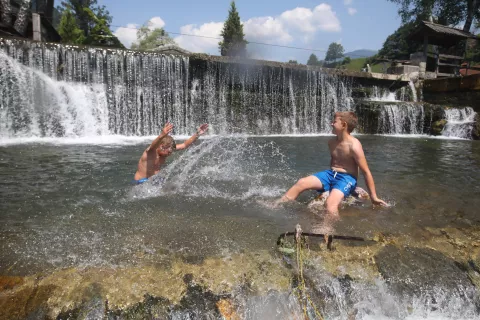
x,y
149,39
86,22
359,64
313,61
446,12
234,43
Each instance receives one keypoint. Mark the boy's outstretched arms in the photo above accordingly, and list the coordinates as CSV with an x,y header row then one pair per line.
x,y
359,156
201,130
165,131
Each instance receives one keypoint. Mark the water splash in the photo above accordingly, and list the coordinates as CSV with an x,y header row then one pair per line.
x,y
232,168
460,122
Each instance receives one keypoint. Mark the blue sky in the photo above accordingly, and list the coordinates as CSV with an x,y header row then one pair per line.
x,y
356,24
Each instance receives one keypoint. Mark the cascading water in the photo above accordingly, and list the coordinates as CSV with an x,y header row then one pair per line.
x,y
459,123
55,90
405,118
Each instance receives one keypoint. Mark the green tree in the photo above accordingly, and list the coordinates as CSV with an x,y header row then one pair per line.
x,y
347,60
149,39
234,43
68,29
100,34
293,61
335,51
397,45
446,12
86,20
313,60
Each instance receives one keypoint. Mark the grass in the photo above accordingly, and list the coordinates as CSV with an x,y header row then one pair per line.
x,y
357,65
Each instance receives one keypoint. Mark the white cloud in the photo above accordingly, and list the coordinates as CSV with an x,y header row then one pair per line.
x,y
303,22
127,35
199,44
266,29
156,22
352,11
306,20
347,2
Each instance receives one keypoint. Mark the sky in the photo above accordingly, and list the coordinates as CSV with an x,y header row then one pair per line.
x,y
356,24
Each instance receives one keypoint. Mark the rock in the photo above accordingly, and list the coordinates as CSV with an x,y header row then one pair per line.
x,y
9,282
476,128
356,197
437,127
421,271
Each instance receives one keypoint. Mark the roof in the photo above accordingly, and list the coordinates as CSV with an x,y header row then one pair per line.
x,y
439,34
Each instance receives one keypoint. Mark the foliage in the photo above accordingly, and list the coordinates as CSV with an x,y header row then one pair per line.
x,y
94,21
234,43
446,12
347,60
335,51
68,29
397,45
149,39
313,61
293,61
100,33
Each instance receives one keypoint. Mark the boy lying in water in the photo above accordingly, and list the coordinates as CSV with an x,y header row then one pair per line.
x,y
158,151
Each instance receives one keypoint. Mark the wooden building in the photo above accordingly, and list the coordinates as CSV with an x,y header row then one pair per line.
x,y
443,50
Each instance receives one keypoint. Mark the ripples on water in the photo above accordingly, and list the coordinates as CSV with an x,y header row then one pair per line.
x,y
74,205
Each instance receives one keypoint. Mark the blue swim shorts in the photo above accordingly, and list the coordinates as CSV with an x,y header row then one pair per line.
x,y
140,181
332,179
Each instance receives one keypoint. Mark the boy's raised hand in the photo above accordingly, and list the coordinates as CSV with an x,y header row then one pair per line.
x,y
167,128
202,129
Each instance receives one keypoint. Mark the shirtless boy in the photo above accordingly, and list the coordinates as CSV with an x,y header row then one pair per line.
x,y
346,158
156,154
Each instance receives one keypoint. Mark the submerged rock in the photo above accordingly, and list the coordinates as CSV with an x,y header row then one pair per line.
x,y
421,270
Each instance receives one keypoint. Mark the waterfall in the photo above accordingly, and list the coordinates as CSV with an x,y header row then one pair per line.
x,y
460,122
402,118
53,90
57,90
414,91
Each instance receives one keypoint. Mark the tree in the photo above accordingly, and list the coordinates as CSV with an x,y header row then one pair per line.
x,y
234,43
397,46
93,20
293,61
313,60
149,39
68,29
347,60
100,34
335,51
85,19
446,12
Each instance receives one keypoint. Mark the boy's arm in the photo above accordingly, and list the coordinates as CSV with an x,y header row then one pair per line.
x,y
359,156
201,130
156,143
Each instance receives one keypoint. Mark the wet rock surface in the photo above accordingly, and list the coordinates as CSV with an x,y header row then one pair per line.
x,y
256,284
419,270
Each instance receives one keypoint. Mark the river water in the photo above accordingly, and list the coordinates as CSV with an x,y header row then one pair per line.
x,y
71,203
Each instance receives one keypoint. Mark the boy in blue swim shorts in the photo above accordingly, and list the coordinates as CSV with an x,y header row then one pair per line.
x,y
347,157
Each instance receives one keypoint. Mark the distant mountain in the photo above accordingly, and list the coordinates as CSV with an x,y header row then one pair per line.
x,y
361,53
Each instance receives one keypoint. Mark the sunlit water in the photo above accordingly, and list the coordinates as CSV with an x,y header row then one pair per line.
x,y
74,205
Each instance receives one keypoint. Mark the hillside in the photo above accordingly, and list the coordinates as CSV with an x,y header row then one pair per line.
x,y
361,53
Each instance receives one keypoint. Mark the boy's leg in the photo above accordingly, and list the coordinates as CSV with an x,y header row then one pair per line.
x,y
333,201
307,183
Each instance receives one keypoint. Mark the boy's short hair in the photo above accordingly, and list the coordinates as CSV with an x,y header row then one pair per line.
x,y
169,140
349,117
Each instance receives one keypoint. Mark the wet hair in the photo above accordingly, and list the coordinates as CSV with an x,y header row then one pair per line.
x,y
350,118
168,140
